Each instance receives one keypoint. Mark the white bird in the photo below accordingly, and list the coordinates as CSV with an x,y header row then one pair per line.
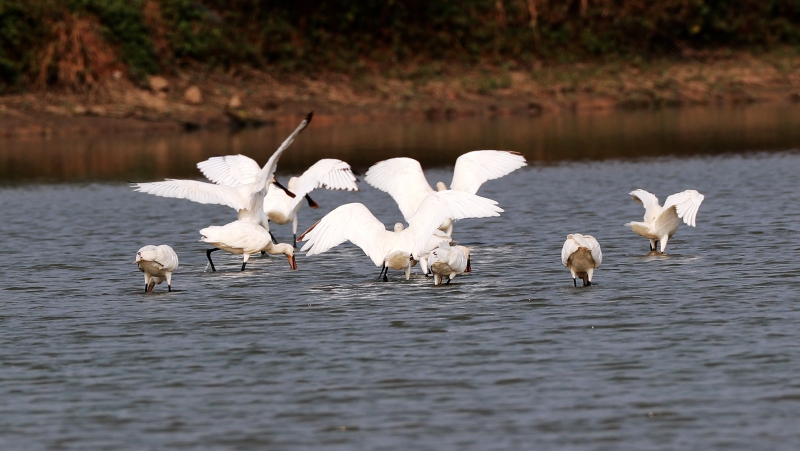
x,y
328,173
660,223
404,180
245,238
448,261
581,254
157,263
433,242
394,249
246,196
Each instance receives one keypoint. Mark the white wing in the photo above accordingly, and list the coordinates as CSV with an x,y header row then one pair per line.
x,y
349,222
458,259
441,205
650,203
570,246
163,255
265,174
201,192
403,179
434,241
328,173
166,257
230,170
474,168
686,205
589,242
146,253
576,241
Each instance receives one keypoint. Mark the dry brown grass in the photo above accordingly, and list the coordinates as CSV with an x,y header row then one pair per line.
x,y
77,57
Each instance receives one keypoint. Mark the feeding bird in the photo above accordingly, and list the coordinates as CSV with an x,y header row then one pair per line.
x,y
157,263
244,238
582,255
404,180
433,243
400,248
660,223
448,261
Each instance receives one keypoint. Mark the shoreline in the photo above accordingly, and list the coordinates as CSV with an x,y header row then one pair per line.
x,y
246,98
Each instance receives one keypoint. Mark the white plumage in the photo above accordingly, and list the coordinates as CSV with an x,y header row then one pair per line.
x,y
448,261
660,223
394,249
157,263
246,196
404,180
437,238
581,254
244,238
328,173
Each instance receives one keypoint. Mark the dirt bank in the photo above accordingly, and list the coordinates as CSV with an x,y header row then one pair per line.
x,y
194,99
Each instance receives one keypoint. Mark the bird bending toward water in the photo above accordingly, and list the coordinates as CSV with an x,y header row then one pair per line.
x,y
245,238
244,193
404,180
448,261
157,263
581,254
396,249
660,223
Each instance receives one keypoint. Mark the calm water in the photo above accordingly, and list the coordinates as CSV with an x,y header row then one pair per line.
x,y
697,350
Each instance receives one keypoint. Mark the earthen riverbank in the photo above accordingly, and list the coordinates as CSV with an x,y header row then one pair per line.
x,y
439,91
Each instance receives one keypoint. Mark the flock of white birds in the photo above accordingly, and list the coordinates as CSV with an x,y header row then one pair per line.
x,y
240,183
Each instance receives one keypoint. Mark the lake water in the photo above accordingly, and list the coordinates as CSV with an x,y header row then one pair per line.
x,y
694,350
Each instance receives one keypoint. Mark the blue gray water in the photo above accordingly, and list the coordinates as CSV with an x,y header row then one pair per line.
x,y
695,350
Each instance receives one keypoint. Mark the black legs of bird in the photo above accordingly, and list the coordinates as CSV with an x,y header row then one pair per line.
x,y
586,283
295,240
208,256
384,273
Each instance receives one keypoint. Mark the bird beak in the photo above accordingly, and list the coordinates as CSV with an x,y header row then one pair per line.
x,y
292,262
311,202
288,193
469,268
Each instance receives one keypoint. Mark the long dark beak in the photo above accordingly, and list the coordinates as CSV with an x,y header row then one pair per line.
x,y
469,268
311,202
292,262
288,193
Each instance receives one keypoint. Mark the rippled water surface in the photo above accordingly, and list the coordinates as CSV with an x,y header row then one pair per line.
x,y
695,350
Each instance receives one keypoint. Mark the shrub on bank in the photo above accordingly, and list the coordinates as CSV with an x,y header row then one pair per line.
x,y
72,43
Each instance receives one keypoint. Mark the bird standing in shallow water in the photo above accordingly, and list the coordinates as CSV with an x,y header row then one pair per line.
x,y
448,261
157,263
581,254
400,248
244,238
660,223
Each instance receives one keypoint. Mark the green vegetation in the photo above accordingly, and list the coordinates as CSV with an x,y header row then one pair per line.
x,y
73,43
